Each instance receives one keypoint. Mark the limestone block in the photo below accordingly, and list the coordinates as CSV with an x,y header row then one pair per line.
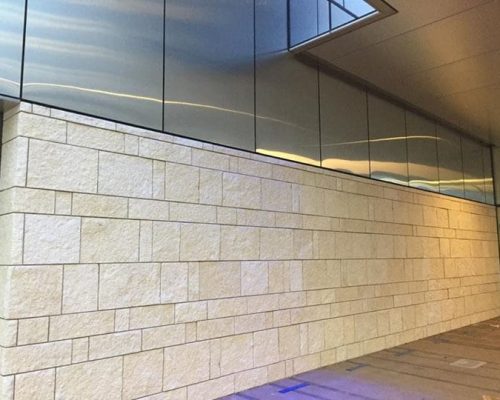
x,y
99,206
164,151
182,183
166,241
158,180
142,374
321,274
124,175
250,379
276,195
276,244
80,350
186,364
227,307
80,325
218,280
34,357
95,138
109,240
239,243
215,328
190,312
148,209
199,242
253,322
192,213
131,145
174,282
33,291
210,187
62,167
80,288
241,191
254,168
145,317
212,389
35,126
33,330
129,285
63,203
37,385
51,239
254,278
11,232
94,380
8,332
114,344
255,218
266,348
289,342
302,244
27,201
146,241
164,336
13,165
236,353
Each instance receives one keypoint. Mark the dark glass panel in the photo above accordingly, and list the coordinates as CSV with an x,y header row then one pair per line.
x,y
488,177
451,178
388,158
11,46
344,126
209,71
422,152
286,91
98,57
472,155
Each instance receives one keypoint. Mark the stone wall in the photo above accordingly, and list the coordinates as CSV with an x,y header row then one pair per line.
x,y
140,265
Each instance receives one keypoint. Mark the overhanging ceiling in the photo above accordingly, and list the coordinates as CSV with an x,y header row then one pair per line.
x,y
441,56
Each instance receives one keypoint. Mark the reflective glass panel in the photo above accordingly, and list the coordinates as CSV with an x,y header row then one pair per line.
x,y
422,152
103,58
388,158
344,126
488,177
451,178
472,155
11,46
303,19
286,91
209,71
496,173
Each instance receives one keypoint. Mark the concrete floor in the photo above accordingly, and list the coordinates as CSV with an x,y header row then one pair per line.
x,y
420,370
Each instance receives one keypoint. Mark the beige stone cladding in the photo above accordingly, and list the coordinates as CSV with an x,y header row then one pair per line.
x,y
138,265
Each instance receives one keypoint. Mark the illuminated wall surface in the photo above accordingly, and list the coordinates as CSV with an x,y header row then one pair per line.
x,y
220,71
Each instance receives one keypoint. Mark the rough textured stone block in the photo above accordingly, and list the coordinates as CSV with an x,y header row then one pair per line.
x,y
142,374
51,239
37,385
125,175
33,330
182,183
95,380
11,232
199,242
241,191
220,279
109,240
13,165
99,206
186,364
174,282
62,167
129,285
95,138
80,288
166,241
80,325
114,344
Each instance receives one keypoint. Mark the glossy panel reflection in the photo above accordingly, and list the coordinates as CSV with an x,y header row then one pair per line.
x,y
98,57
344,126
488,176
451,178
388,158
472,155
422,152
209,71
286,91
11,46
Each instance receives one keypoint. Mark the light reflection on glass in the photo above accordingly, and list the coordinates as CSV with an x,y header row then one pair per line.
x,y
472,155
11,41
450,162
488,177
422,152
100,58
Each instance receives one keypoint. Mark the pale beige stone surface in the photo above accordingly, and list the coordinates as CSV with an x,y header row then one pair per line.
x,y
62,167
38,385
128,285
51,239
109,240
142,374
94,380
186,364
235,268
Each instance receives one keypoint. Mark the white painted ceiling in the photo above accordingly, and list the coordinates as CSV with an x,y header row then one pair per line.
x,y
442,56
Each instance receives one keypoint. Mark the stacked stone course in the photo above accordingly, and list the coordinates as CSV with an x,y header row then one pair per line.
x,y
138,265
